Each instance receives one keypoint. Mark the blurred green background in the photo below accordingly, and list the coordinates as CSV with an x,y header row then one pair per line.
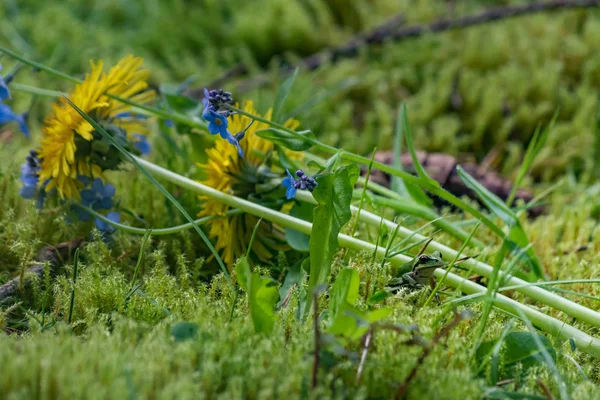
x,y
469,91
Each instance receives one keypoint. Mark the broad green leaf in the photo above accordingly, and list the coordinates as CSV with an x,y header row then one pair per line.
x,y
244,273
183,331
347,320
298,240
295,276
518,348
378,297
516,234
315,165
286,139
263,297
282,95
333,196
352,324
344,291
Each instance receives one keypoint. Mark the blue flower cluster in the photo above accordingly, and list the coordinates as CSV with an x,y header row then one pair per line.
x,y
30,176
98,197
303,182
142,144
216,115
6,113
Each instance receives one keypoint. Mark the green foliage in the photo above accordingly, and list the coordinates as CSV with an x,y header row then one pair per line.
x,y
333,196
347,321
262,296
516,232
519,353
287,139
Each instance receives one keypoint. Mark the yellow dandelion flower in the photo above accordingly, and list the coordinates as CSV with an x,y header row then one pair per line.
x,y
58,145
226,171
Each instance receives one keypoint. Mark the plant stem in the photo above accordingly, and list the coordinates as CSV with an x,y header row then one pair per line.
x,y
415,180
583,341
543,296
156,232
274,216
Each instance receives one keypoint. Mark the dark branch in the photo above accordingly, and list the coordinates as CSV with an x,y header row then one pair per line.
x,y
54,256
391,31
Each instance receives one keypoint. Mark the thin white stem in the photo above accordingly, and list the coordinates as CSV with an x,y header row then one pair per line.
x,y
553,326
542,295
277,217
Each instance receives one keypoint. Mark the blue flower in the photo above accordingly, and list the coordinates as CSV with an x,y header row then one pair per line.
x,y
290,183
104,226
7,115
303,183
142,145
217,123
4,92
99,196
30,177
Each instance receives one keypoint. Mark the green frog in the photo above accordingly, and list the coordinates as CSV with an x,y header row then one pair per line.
x,y
418,272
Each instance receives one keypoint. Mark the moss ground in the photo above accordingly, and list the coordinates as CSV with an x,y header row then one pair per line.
x,y
510,76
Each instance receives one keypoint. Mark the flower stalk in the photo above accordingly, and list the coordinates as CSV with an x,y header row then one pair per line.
x,y
257,210
551,325
535,292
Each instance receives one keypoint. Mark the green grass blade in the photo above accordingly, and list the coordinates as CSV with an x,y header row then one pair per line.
x,y
72,301
282,95
533,150
517,233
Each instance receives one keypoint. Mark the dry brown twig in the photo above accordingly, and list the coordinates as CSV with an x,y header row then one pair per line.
x,y
393,31
51,256
443,333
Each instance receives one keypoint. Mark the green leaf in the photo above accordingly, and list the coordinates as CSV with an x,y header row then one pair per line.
x,y
282,95
298,240
333,196
295,276
286,139
378,297
183,331
263,295
518,348
344,291
244,273
176,102
516,234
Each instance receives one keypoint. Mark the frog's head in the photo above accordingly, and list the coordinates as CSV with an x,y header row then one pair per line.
x,y
429,261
